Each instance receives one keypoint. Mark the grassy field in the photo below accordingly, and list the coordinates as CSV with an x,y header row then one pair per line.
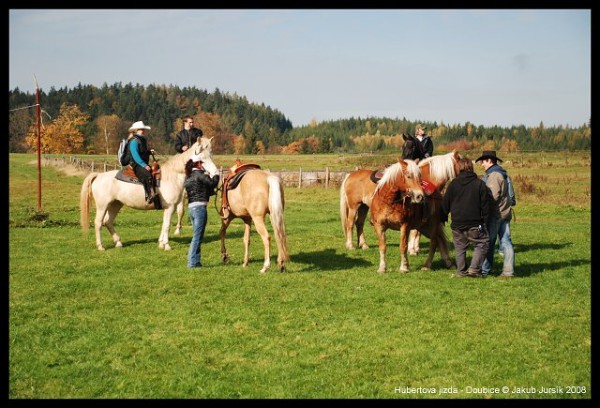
x,y
136,323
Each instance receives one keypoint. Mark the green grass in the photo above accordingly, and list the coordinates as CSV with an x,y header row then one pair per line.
x,y
136,323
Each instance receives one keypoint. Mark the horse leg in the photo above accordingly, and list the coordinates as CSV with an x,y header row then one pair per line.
x,y
380,231
109,219
444,251
224,224
163,240
266,239
404,231
98,222
247,228
349,226
360,226
180,211
413,242
432,247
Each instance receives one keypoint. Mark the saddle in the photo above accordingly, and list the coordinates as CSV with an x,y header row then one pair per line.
x,y
232,180
127,175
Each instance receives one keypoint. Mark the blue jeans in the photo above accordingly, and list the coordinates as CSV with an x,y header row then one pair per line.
x,y
499,228
198,216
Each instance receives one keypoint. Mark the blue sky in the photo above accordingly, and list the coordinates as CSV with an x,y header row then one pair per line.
x,y
488,67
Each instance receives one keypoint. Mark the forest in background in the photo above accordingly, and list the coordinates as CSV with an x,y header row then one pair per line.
x,y
93,120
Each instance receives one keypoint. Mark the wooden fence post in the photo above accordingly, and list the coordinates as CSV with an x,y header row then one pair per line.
x,y
300,178
326,177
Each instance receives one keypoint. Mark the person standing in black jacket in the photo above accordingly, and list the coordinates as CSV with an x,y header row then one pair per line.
x,y
199,187
467,199
187,136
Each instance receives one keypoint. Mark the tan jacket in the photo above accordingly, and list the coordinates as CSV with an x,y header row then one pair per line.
x,y
501,202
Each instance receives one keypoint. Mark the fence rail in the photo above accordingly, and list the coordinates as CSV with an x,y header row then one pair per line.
x,y
327,178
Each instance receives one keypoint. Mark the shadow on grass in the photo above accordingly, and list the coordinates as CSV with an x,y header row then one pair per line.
x,y
327,260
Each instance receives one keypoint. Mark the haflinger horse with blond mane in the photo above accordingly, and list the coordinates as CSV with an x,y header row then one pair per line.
x,y
436,172
251,193
111,194
356,193
393,207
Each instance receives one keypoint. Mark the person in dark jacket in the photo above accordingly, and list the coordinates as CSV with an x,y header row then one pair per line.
x,y
199,186
188,135
140,156
467,199
425,142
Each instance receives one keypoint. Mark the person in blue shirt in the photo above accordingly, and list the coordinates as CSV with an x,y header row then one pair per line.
x,y
140,156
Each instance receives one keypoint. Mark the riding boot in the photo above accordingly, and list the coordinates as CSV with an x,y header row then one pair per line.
x,y
148,190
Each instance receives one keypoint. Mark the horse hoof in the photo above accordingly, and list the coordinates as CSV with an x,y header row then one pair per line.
x,y
167,247
425,268
101,248
413,253
118,244
350,247
364,246
403,270
382,271
177,232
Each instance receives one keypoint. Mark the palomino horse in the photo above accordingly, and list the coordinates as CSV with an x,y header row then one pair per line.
x,y
436,172
258,193
356,193
111,194
393,206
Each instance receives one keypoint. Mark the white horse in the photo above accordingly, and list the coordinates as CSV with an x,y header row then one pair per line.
x,y
111,194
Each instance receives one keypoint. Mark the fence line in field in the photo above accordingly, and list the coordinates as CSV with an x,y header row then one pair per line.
x,y
299,179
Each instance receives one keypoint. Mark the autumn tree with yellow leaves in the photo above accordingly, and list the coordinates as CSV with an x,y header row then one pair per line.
x,y
62,135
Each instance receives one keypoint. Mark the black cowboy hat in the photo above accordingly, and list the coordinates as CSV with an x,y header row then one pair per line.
x,y
488,154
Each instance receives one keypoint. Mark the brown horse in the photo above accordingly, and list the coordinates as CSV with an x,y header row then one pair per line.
x,y
356,193
259,192
393,206
436,172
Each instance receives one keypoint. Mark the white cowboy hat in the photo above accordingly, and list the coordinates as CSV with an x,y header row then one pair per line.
x,y
138,125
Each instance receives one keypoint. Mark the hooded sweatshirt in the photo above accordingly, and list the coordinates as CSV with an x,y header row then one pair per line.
x,y
467,198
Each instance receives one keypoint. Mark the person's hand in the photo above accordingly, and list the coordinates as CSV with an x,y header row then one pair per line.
x,y
152,151
148,168
184,148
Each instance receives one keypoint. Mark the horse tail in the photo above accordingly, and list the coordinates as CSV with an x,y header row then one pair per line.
x,y
84,201
276,206
344,203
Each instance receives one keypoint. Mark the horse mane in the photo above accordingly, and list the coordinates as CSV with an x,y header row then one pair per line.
x,y
392,172
441,167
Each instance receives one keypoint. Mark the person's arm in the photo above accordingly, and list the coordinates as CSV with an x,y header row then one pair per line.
x,y
134,147
445,208
179,142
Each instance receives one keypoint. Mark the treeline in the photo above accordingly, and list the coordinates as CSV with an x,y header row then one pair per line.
x,y
89,119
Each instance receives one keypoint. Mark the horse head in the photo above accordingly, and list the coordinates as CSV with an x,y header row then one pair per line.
x,y
403,176
203,148
411,149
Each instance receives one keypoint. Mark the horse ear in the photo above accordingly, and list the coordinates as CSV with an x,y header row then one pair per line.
x,y
404,137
